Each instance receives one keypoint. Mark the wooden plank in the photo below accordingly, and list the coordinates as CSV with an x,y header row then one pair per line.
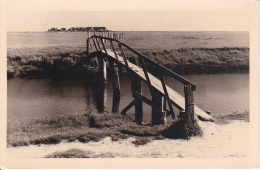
x,y
175,97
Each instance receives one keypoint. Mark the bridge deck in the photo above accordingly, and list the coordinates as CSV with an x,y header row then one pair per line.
x,y
175,97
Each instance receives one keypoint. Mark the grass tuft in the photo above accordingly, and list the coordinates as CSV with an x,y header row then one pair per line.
x,y
180,129
72,153
142,141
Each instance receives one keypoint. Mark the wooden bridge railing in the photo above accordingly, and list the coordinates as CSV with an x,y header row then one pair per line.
x,y
100,43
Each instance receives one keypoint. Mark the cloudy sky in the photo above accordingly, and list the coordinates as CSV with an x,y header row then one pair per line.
x,y
127,16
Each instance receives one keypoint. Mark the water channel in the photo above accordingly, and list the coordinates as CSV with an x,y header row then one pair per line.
x,y
31,98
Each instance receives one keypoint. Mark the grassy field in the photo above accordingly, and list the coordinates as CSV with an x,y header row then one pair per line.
x,y
87,127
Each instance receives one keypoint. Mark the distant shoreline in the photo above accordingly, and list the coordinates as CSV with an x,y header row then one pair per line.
x,y
79,29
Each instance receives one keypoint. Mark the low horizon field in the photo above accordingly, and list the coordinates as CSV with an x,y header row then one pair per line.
x,y
182,52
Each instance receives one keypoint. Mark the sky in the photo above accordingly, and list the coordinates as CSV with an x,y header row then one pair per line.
x,y
127,17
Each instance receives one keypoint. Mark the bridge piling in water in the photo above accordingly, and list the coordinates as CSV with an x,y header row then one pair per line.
x,y
102,75
158,114
115,86
189,105
136,86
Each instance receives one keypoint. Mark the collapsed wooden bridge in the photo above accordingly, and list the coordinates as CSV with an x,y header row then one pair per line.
x,y
111,50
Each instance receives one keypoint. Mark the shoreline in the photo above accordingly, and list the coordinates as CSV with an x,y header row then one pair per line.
x,y
217,142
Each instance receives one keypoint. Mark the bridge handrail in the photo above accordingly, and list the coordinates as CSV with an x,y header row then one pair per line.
x,y
168,71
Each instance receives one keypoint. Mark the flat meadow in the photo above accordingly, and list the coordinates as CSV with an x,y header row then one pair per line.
x,y
183,52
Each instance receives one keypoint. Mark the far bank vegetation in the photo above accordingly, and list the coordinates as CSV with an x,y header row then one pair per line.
x,y
47,62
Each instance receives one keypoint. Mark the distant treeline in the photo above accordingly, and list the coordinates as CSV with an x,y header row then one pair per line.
x,y
98,29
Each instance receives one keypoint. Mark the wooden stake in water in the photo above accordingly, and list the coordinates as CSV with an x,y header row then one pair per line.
x,y
137,87
116,86
102,70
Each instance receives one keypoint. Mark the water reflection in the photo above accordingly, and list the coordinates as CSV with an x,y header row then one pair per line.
x,y
99,97
29,98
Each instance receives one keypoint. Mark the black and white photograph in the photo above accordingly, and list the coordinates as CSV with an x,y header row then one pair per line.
x,y
161,84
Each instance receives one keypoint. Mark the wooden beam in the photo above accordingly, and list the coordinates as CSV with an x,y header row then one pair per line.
x,y
128,107
143,98
113,48
95,44
98,44
148,81
123,55
166,95
104,47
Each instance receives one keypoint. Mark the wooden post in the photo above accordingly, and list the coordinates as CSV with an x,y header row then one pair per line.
x,y
116,87
102,70
87,46
158,115
136,85
105,34
87,43
189,105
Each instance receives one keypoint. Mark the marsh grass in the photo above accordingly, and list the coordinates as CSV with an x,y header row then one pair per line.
x,y
181,61
199,60
83,127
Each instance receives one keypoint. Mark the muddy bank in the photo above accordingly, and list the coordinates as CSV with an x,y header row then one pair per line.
x,y
181,61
